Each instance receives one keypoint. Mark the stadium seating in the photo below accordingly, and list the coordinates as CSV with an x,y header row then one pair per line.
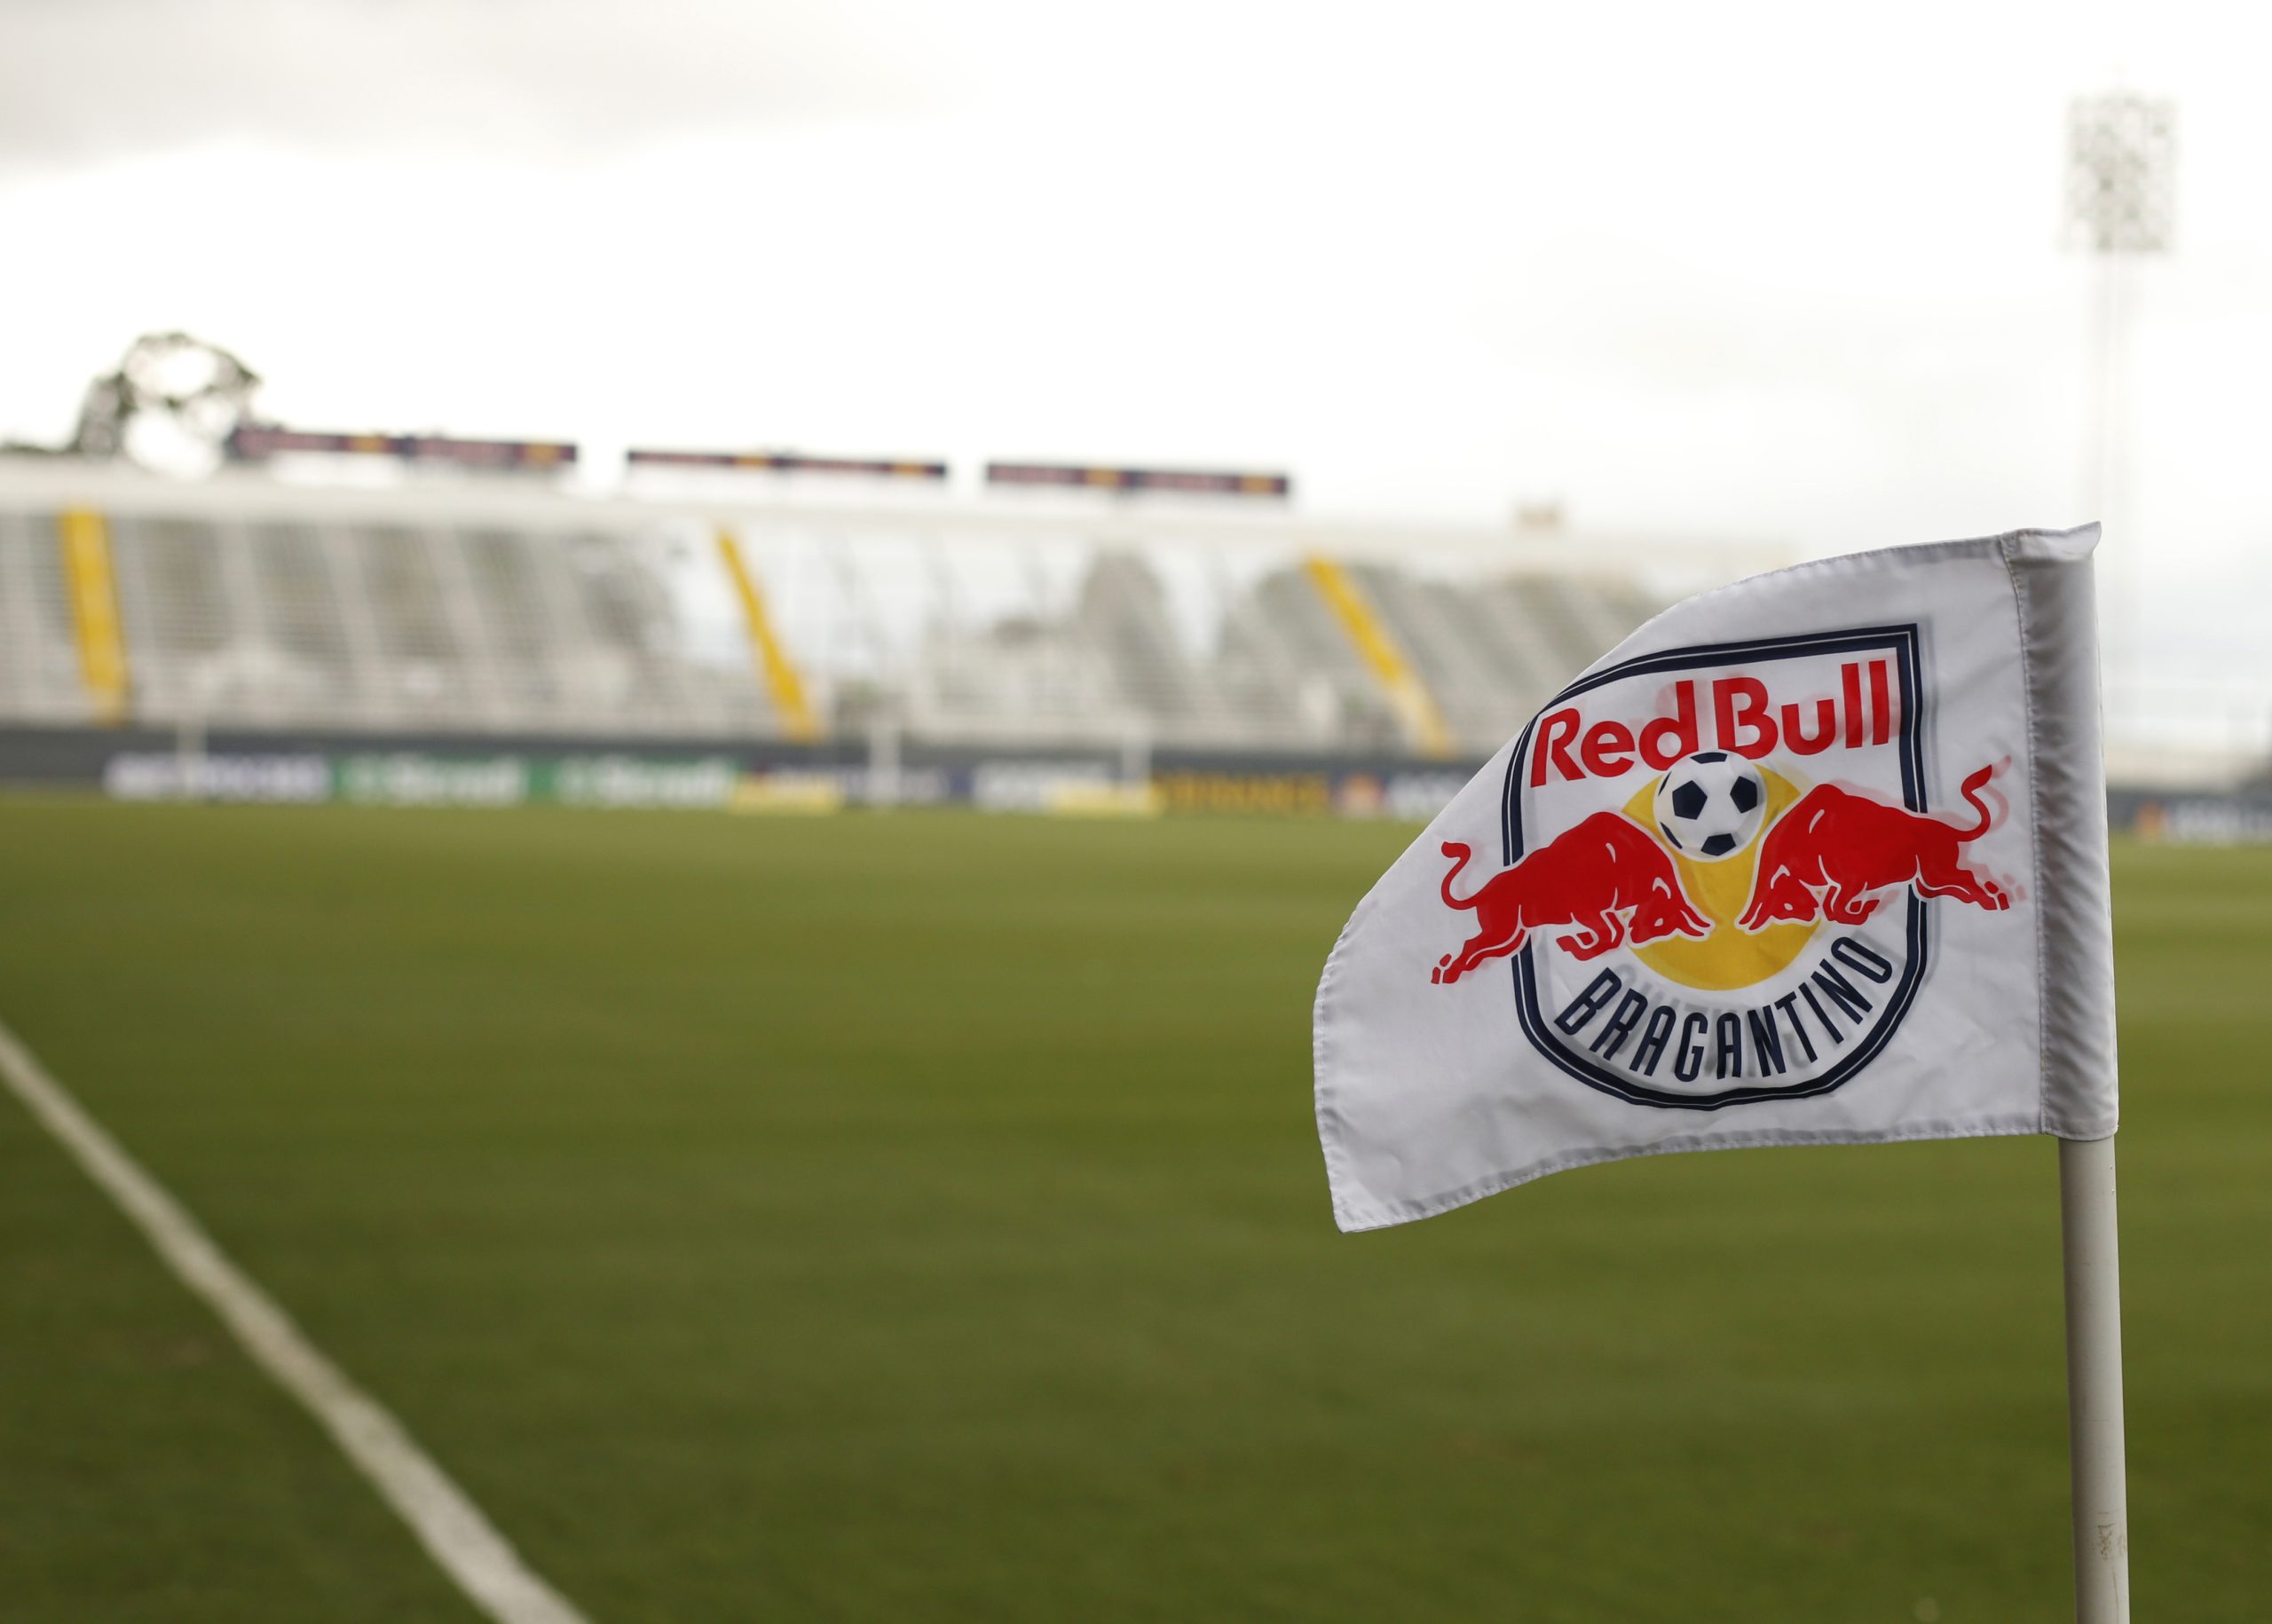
x,y
285,616
39,662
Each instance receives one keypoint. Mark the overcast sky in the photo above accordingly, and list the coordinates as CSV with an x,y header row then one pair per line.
x,y
1786,271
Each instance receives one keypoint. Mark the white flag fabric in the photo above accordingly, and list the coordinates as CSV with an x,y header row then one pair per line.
x,y
1819,857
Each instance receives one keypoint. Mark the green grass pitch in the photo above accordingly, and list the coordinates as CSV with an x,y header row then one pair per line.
x,y
919,1217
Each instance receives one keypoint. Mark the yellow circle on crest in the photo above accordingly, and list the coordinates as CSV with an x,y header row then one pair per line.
x,y
1728,957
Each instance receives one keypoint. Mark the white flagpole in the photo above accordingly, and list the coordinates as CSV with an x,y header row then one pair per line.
x,y
2095,1381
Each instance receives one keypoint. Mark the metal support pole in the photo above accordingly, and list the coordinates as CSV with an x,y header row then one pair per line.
x,y
883,761
2095,1381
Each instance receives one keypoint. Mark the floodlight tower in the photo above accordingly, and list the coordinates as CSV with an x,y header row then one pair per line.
x,y
2121,199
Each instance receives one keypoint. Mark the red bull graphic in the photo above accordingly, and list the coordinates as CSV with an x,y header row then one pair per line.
x,y
1719,867
1846,848
1592,877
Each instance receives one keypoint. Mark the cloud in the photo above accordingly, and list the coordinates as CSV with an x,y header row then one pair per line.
x,y
86,80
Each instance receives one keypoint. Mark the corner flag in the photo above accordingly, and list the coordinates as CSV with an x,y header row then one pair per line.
x,y
1818,857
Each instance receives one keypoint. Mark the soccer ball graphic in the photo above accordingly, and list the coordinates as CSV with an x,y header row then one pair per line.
x,y
1710,804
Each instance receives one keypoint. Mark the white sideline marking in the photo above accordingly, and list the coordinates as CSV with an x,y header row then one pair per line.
x,y
448,1524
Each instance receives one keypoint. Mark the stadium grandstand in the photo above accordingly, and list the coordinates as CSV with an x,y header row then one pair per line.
x,y
197,601
473,607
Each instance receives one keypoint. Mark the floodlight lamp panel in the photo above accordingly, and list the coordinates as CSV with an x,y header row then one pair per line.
x,y
2121,169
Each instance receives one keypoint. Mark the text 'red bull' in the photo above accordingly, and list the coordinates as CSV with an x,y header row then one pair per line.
x,y
1745,720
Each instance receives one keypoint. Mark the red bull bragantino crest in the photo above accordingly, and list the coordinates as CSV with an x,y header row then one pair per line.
x,y
1752,822
1820,856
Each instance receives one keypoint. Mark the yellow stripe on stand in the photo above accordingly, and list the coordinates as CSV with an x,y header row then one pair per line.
x,y
1407,695
85,536
773,662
